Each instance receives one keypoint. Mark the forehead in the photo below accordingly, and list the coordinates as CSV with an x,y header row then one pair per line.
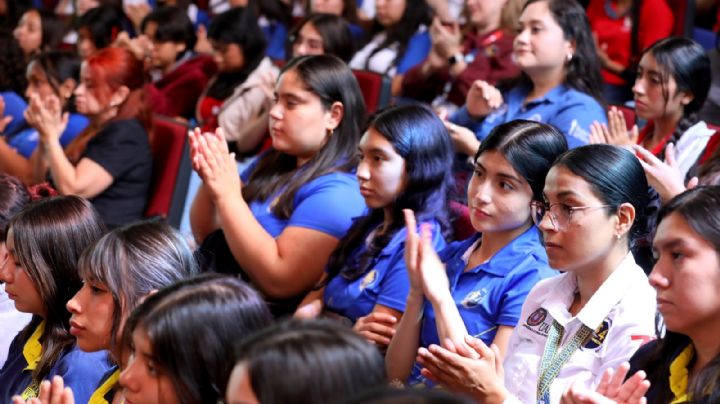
x,y
308,30
563,183
674,229
150,29
372,139
290,82
493,161
31,16
538,11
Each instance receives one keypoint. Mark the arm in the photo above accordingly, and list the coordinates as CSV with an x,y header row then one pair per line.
x,y
14,163
281,267
312,305
203,215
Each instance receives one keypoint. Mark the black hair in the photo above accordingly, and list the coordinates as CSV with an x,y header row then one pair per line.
x,y
191,325
530,148
685,61
173,25
420,138
699,208
417,13
330,79
134,260
13,198
103,23
274,10
59,66
236,26
52,28
12,64
582,72
394,395
335,33
320,361
616,177
49,235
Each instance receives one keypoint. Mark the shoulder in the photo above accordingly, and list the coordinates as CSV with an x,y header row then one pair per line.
x,y
128,127
341,181
457,248
546,288
77,363
574,98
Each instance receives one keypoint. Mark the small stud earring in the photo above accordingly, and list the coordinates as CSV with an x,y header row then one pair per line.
x,y
618,236
569,57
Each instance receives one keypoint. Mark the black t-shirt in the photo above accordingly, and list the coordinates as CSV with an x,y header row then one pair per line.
x,y
122,148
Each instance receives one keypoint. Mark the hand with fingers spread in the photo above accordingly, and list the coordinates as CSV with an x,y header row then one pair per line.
x,y
203,45
463,138
615,132
53,392
664,176
377,327
482,99
215,164
478,374
613,389
47,117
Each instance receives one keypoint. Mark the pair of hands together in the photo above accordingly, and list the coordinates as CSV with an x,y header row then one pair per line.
x,y
216,166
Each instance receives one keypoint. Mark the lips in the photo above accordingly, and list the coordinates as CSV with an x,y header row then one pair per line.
x,y
550,244
75,328
365,191
479,213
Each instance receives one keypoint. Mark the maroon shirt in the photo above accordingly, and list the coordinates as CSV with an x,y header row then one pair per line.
x,y
492,62
177,93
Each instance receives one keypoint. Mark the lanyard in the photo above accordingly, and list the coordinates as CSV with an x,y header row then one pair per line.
x,y
552,360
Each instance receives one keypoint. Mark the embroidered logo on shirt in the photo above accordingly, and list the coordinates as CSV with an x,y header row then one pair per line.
x,y
368,279
537,317
536,322
598,336
474,298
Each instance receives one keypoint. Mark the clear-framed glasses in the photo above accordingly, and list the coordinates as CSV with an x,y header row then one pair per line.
x,y
560,213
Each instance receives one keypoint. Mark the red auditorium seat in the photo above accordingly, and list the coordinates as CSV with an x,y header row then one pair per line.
x,y
171,170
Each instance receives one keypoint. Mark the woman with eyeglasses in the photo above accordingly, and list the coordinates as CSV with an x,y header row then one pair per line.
x,y
575,326
482,281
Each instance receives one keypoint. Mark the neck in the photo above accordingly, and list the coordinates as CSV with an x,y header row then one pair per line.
x,y
590,278
103,117
387,219
495,241
665,125
488,26
706,343
544,81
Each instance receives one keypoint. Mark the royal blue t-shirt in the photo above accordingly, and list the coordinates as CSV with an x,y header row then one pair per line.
x,y
26,140
386,283
327,203
569,110
491,294
15,107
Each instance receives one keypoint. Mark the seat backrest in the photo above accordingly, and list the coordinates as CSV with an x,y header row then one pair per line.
x,y
171,169
375,88
684,12
712,144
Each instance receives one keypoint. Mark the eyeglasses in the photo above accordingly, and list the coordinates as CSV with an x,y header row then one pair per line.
x,y
560,213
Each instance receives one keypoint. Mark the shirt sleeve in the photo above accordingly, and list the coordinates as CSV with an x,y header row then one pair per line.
x,y
328,204
575,118
462,117
417,50
118,146
82,372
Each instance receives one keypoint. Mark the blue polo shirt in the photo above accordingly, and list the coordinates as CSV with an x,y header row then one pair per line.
x,y
81,371
386,283
26,140
327,203
491,294
569,110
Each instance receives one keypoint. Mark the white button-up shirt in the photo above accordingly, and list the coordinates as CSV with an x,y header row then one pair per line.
x,y
622,313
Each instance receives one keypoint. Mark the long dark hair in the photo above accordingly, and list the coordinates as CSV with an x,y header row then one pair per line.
x,y
237,26
582,72
335,33
59,66
12,64
699,208
134,260
320,361
420,138
49,235
191,325
417,12
685,61
530,148
103,23
616,177
331,80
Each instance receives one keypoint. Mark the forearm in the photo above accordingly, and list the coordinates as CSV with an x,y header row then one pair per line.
x,y
402,351
14,163
255,250
62,170
203,216
448,321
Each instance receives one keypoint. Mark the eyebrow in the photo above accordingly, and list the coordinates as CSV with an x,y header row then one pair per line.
x,y
374,150
499,173
670,243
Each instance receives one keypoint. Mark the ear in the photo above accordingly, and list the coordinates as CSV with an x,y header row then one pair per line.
x,y
334,115
686,97
180,47
67,88
119,96
571,47
626,218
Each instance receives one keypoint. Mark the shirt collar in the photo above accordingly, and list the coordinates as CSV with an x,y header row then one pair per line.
x,y
679,375
32,350
508,256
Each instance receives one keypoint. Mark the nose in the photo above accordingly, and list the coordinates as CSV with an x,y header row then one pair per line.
x,y
639,87
657,277
547,224
276,111
522,37
301,49
73,305
217,57
79,90
481,193
29,91
128,377
362,173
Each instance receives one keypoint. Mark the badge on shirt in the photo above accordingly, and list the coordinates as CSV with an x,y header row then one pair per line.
x,y
368,279
474,298
536,322
598,336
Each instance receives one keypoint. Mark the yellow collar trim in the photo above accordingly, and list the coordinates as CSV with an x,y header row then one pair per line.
x,y
679,375
32,350
98,396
